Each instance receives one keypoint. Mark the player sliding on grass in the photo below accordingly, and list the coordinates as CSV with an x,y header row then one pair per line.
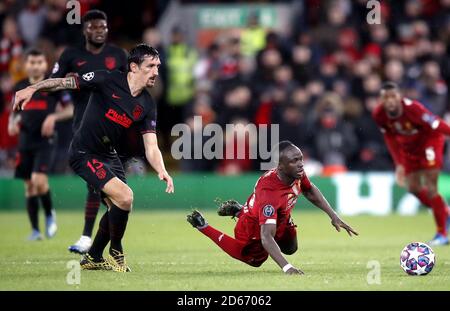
x,y
265,226
415,139
118,101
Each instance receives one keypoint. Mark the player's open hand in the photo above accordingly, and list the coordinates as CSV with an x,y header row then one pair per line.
x,y
166,177
21,98
294,270
338,224
48,126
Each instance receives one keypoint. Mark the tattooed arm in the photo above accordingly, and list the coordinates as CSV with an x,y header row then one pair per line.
x,y
22,97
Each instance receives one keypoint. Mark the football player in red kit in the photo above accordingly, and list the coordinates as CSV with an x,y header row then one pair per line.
x,y
265,226
415,139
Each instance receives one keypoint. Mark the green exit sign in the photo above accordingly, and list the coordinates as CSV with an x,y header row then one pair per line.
x,y
221,16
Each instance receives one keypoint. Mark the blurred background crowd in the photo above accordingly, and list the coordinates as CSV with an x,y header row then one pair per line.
x,y
318,80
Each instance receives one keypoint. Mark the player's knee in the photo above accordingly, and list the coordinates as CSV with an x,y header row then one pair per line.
x,y
125,199
414,188
29,189
290,251
40,182
255,264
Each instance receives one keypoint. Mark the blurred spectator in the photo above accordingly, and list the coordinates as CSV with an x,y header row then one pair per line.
x,y
181,60
31,20
11,49
253,37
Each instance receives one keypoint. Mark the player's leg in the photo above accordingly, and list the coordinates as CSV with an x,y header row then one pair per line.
x,y
438,205
416,185
24,167
32,210
40,181
120,201
288,242
42,161
97,172
233,247
91,208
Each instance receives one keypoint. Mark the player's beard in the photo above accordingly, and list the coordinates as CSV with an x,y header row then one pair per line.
x,y
97,45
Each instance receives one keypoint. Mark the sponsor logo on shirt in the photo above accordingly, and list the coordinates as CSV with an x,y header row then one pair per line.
x,y
36,105
121,119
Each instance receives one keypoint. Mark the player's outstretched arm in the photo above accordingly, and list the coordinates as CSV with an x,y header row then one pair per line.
x,y
22,97
267,239
154,157
316,197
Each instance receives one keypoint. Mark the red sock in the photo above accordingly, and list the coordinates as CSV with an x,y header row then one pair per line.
x,y
422,195
440,214
231,246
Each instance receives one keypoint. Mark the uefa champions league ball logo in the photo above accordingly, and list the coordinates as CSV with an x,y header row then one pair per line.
x,y
417,258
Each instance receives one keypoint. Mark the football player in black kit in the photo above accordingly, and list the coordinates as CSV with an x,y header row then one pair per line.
x,y
118,101
96,54
36,142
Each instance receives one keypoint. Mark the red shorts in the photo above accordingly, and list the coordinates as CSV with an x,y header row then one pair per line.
x,y
428,157
248,231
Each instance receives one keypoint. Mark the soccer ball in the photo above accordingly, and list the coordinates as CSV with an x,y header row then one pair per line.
x,y
417,258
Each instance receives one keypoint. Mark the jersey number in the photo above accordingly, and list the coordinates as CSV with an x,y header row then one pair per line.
x,y
94,165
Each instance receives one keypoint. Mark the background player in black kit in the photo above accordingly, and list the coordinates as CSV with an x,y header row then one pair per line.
x,y
118,101
96,54
36,142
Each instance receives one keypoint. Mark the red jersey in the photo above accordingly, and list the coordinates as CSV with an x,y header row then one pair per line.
x,y
272,201
410,133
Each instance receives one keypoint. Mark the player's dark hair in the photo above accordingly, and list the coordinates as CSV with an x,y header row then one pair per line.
x,y
139,52
281,149
33,52
93,14
387,86
284,145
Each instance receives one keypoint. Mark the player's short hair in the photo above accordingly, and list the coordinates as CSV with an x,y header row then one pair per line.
x,y
389,85
283,147
139,52
33,52
93,14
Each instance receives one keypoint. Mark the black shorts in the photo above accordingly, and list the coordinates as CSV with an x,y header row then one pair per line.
x,y
33,161
96,170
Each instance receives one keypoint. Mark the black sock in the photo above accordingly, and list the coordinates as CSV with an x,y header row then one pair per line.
x,y
90,211
101,238
47,204
118,219
32,209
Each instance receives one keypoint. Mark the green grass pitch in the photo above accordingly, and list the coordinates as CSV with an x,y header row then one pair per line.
x,y
166,253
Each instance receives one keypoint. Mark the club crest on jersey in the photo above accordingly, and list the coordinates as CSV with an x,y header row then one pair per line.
x,y
88,76
268,211
110,62
137,111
